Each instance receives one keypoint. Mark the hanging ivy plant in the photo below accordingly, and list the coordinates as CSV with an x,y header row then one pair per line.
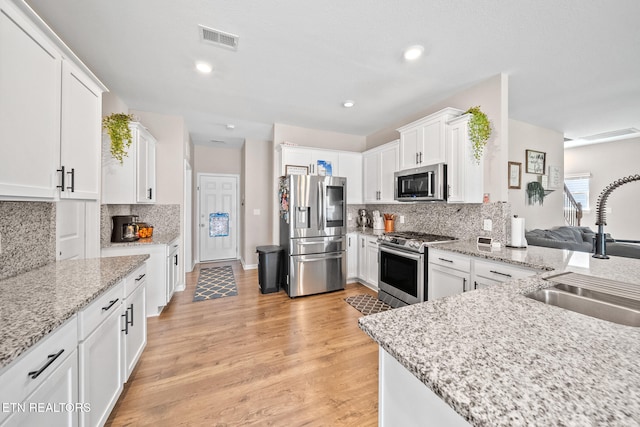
x,y
479,130
117,126
535,193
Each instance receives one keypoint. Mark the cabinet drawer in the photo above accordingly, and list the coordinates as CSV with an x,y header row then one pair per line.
x,y
135,279
450,260
501,271
99,310
27,373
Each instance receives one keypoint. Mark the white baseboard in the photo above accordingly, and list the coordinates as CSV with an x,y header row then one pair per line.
x,y
248,266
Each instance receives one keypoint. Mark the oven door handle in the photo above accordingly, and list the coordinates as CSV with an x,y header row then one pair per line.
x,y
411,255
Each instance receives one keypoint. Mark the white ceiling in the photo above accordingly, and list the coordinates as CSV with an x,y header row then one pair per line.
x,y
573,65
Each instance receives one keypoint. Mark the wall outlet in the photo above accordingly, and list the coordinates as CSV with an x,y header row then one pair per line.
x,y
487,225
401,219
256,211
349,216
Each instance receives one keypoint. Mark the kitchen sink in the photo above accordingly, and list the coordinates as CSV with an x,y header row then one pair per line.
x,y
620,303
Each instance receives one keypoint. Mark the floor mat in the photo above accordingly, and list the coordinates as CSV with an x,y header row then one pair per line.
x,y
366,304
215,282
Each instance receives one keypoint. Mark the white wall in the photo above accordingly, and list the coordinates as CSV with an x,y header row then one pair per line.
x,y
608,162
257,196
524,136
317,138
492,97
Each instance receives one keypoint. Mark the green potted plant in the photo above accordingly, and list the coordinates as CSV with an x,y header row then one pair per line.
x,y
117,126
479,130
535,193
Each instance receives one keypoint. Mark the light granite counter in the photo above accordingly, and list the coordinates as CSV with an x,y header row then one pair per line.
x,y
367,231
156,239
34,303
499,358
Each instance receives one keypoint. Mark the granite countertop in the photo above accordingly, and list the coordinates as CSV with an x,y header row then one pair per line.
x,y
34,303
157,239
499,358
367,231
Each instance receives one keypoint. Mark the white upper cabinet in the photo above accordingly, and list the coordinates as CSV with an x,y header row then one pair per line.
x,y
379,165
49,115
464,173
30,70
134,180
350,166
80,137
309,157
423,142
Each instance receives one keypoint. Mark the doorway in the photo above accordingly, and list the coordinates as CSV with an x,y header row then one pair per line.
x,y
218,217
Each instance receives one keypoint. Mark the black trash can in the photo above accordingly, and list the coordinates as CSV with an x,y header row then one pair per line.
x,y
270,268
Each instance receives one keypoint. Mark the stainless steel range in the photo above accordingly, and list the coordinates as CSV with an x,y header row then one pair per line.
x,y
402,273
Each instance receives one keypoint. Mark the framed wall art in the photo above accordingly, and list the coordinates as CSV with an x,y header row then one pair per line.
x,y
515,175
535,161
296,170
555,180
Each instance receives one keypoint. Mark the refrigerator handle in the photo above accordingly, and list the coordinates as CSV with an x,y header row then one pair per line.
x,y
321,225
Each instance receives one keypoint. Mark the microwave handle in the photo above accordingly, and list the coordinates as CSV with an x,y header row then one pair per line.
x,y
430,184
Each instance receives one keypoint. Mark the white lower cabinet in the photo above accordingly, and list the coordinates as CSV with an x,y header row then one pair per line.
x,y
159,271
352,256
46,375
134,320
100,355
368,260
451,273
448,274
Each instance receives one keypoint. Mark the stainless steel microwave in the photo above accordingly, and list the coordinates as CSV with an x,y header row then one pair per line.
x,y
426,183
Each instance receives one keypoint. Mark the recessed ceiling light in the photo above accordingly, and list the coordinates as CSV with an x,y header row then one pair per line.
x,y
231,126
203,67
413,52
348,103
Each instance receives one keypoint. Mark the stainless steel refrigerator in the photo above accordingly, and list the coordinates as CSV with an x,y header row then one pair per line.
x,y
313,225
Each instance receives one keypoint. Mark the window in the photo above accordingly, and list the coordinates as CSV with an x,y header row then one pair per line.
x,y
578,185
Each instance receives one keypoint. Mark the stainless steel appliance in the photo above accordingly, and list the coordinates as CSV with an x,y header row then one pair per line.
x,y
313,233
426,183
402,267
125,228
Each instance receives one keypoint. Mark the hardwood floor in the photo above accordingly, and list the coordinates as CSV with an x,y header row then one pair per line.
x,y
254,359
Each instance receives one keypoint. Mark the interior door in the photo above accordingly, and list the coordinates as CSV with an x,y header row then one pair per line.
x,y
218,217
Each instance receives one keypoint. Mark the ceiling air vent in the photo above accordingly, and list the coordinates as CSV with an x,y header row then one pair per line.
x,y
218,38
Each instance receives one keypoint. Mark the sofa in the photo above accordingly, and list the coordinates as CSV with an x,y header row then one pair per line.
x,y
579,239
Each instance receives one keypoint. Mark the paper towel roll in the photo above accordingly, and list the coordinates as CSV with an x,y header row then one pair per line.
x,y
517,233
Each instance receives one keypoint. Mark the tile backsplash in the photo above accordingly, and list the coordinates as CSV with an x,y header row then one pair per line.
x,y
463,221
164,218
27,236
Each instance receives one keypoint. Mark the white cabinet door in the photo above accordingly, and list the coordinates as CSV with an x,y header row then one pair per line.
x,y
388,166
352,255
372,262
135,329
134,180
410,148
362,257
434,142
332,157
445,281
70,230
101,370
80,135
464,173
172,270
294,156
60,388
30,75
380,164
146,171
350,166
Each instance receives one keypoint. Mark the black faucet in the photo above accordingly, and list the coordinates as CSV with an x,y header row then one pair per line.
x,y
600,251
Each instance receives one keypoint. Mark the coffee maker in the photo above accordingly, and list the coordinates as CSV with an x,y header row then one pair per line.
x,y
125,228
